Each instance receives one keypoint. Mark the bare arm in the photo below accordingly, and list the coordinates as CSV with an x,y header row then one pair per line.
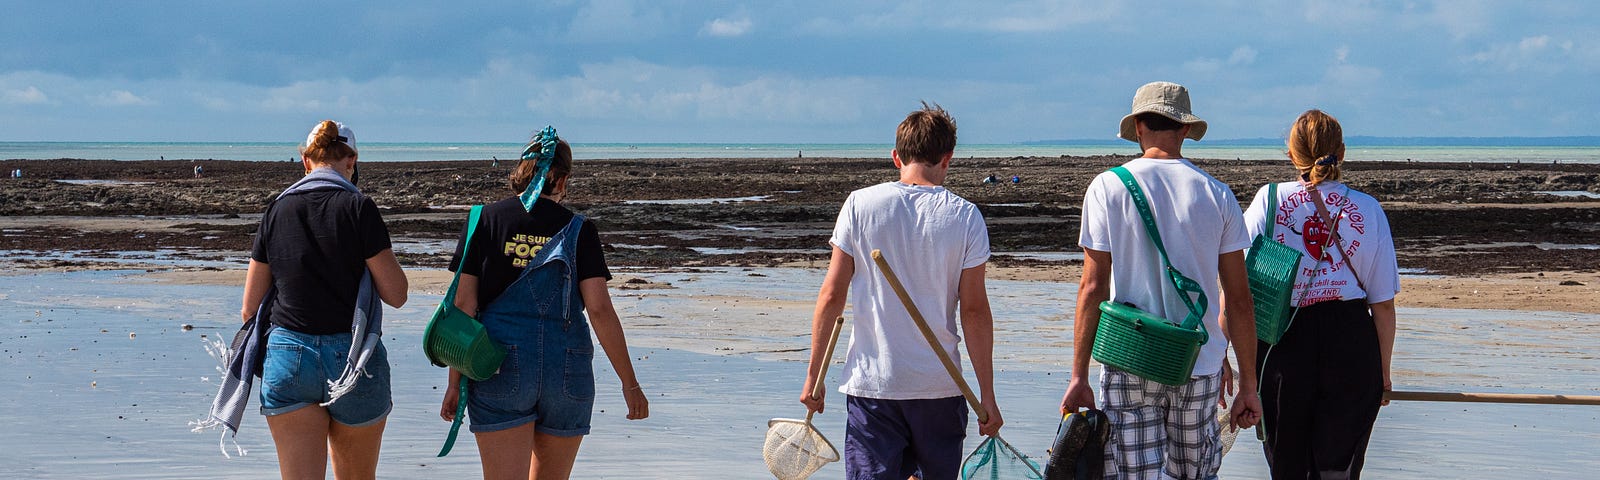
x,y
977,325
1238,322
467,294
830,305
388,278
257,279
1094,287
608,330
1383,316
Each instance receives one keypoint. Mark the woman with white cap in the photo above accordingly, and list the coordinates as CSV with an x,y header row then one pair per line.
x,y
321,261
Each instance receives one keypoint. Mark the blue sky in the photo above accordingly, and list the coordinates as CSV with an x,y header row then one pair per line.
x,y
822,71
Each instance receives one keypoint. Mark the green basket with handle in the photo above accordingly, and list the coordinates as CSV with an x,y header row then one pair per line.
x,y
453,338
1144,344
1272,269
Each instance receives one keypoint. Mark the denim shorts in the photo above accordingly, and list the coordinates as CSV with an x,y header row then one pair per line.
x,y
555,391
299,366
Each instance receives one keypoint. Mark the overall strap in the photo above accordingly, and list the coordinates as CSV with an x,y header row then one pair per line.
x,y
1184,285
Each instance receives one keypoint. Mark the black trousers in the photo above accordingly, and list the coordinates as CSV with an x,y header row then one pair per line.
x,y
1321,386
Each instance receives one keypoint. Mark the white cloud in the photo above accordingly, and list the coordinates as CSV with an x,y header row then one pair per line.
x,y
723,27
26,96
119,98
1244,55
1541,52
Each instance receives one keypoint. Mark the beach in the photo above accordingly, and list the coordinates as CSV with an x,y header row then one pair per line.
x,y
717,264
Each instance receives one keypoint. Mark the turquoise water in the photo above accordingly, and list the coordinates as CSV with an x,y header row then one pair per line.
x,y
272,151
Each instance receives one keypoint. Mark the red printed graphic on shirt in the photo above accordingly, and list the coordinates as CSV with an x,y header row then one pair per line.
x,y
1298,216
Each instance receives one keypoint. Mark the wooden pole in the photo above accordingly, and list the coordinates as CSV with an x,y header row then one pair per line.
x,y
1494,398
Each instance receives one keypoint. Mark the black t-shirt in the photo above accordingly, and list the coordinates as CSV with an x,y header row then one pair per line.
x,y
509,236
317,244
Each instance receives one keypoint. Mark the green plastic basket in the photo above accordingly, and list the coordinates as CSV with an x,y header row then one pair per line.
x,y
457,340
1271,267
1134,341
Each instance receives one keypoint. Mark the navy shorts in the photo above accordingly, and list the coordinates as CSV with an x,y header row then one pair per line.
x,y
894,439
299,366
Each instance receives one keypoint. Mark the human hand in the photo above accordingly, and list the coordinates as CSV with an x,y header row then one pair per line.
x,y
1078,396
1388,386
638,404
447,408
991,427
813,404
1246,411
1227,384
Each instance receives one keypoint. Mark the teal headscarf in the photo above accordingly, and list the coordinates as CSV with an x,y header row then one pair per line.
x,y
543,151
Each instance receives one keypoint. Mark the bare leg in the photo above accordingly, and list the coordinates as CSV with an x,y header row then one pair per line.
x,y
301,437
506,454
553,456
355,449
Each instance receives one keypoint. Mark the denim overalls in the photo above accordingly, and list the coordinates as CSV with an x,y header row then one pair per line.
x,y
548,374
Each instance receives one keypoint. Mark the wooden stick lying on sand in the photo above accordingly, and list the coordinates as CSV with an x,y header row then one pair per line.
x,y
1494,398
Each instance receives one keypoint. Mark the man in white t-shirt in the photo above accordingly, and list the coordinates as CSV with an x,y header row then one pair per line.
x,y
906,416
1163,431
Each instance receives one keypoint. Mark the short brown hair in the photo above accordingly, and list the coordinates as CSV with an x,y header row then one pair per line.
x,y
926,135
1316,136
324,146
561,167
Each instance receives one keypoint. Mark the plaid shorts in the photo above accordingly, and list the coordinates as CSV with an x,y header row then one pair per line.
x,y
1161,431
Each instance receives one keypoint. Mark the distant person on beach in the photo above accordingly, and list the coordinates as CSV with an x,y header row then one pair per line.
x,y
197,170
1323,382
904,414
321,255
529,252
1160,430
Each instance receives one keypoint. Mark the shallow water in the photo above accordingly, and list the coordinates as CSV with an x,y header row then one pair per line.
x,y
718,355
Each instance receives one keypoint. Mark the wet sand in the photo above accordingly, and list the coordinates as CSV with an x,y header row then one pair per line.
x,y
719,355
717,263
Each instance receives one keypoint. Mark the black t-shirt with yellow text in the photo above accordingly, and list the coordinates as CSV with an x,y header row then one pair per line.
x,y
508,237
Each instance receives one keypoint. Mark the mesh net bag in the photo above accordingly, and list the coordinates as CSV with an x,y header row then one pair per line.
x,y
994,459
795,449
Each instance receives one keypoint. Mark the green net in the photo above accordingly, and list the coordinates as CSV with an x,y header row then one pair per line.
x,y
994,459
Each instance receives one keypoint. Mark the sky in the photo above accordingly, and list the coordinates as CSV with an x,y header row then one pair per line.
x,y
821,71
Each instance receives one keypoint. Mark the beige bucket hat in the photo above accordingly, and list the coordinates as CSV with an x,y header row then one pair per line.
x,y
1168,99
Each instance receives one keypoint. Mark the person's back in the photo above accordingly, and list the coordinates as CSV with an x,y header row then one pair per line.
x,y
1162,430
1198,218
928,235
906,416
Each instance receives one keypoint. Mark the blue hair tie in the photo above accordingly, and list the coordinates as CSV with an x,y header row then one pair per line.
x,y
1327,161
543,151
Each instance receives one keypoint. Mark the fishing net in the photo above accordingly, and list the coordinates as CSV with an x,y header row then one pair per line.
x,y
1228,434
994,459
795,449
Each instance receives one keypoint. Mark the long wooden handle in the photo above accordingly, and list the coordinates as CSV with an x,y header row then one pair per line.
x,y
933,341
1494,398
827,358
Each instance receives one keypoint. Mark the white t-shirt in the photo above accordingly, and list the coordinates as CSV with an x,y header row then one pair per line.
x,y
1362,226
1198,218
928,235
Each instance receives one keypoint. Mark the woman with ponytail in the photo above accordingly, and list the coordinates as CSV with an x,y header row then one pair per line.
x,y
533,268
1323,382
320,264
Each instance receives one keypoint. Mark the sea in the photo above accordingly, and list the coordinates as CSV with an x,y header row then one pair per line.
x,y
376,151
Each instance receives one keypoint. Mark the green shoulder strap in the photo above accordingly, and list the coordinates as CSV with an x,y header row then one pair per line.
x,y
450,296
1272,209
1184,285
